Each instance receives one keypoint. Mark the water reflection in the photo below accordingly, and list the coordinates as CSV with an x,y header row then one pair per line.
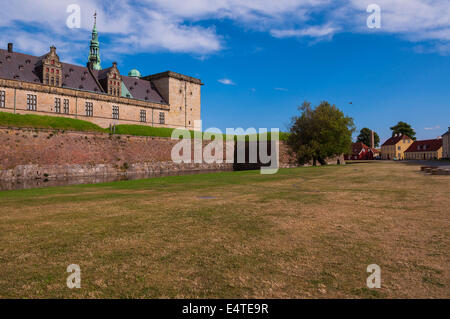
x,y
40,183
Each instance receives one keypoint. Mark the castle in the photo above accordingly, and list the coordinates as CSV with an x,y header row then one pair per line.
x,y
47,86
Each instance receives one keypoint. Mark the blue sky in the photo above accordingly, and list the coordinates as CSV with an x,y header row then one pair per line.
x,y
259,60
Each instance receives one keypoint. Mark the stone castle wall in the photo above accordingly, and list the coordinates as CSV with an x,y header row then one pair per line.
x,y
183,109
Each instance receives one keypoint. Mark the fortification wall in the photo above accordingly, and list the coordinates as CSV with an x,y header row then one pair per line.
x,y
36,153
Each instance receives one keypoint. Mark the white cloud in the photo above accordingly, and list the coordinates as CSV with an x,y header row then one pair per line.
x,y
437,127
188,25
325,31
281,89
226,81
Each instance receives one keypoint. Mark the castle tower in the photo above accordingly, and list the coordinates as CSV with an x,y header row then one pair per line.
x,y
94,49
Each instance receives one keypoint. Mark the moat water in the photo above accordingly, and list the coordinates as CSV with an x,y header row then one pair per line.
x,y
42,183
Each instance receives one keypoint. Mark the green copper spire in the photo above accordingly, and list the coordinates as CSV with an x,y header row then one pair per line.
x,y
94,52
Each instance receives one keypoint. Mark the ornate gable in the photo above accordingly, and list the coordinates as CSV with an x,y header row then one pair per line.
x,y
52,68
114,81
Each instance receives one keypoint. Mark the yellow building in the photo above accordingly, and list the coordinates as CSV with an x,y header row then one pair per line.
x,y
425,150
395,147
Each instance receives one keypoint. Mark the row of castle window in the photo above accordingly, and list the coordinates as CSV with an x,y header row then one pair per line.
x,y
32,106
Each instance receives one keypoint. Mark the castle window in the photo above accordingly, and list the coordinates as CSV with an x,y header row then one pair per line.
x,y
47,78
115,112
52,81
53,71
162,119
57,81
53,61
57,105
66,106
143,116
89,109
31,102
47,69
2,99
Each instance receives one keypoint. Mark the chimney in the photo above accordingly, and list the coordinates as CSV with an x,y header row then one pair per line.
x,y
10,47
373,139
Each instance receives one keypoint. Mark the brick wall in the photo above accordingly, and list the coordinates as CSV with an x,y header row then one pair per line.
x,y
27,153
30,153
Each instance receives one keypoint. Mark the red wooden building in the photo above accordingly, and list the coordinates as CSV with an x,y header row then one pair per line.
x,y
360,151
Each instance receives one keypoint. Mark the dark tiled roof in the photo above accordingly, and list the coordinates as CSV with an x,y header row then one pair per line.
x,y
103,73
78,77
18,66
395,139
142,89
430,146
23,67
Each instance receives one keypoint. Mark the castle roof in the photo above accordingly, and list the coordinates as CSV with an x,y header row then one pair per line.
x,y
23,67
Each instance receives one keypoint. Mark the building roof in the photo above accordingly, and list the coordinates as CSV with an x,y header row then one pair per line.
x,y
395,139
142,89
24,67
358,147
425,146
174,75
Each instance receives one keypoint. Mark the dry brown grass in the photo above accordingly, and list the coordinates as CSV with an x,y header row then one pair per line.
x,y
303,233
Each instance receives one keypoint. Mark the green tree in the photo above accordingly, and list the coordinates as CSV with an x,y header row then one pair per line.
x,y
404,129
365,136
320,133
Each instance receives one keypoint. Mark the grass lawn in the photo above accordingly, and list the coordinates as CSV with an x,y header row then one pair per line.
x,y
47,122
64,123
302,233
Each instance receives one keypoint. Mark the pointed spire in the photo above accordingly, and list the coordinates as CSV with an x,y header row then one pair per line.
x,y
94,51
94,29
